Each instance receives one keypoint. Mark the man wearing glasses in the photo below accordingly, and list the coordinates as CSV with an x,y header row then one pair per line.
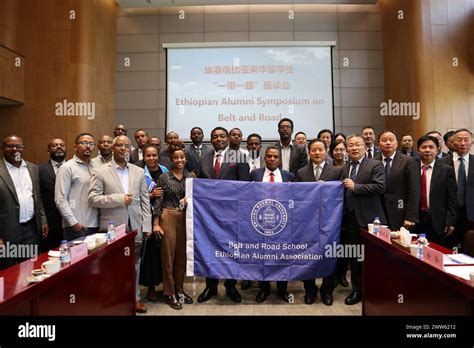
x,y
71,191
119,190
22,216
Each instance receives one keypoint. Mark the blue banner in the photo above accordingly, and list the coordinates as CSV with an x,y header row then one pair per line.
x,y
262,231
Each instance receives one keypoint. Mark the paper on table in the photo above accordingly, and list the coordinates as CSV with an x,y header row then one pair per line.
x,y
461,258
2,288
448,261
460,271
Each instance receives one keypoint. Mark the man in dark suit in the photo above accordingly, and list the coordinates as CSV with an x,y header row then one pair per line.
x,y
319,170
401,199
463,164
408,147
214,165
22,217
272,173
368,134
47,177
364,180
438,193
254,147
141,138
196,150
439,137
293,156
448,140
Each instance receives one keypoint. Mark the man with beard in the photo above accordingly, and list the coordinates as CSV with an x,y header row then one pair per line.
x,y
141,138
47,177
254,147
22,217
293,156
105,151
71,191
214,166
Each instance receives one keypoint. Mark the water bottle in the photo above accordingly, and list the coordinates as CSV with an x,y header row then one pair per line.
x,y
110,232
421,241
64,253
376,226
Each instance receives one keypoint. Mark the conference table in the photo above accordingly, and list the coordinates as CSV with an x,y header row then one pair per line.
x,y
101,283
397,283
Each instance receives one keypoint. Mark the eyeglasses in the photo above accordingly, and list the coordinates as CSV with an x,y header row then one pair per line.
x,y
123,146
86,143
12,146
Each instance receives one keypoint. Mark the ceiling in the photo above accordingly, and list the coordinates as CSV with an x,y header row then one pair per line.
x,y
169,3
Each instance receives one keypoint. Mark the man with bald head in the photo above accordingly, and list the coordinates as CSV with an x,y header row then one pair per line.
x,y
22,217
105,151
47,175
119,190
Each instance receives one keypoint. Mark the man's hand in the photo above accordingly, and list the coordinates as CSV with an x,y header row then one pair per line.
x,y
408,224
448,230
78,227
349,184
44,230
158,231
128,199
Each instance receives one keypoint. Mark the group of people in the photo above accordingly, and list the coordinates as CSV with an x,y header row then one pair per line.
x,y
420,188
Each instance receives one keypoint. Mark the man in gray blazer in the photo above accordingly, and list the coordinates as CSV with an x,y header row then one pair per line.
x,y
119,190
364,181
22,216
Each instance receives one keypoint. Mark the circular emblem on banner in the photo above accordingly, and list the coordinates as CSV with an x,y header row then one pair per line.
x,y
269,217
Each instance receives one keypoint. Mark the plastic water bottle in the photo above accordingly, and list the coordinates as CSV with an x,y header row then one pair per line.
x,y
421,242
64,253
110,232
376,225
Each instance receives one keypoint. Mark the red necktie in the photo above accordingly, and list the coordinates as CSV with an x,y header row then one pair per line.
x,y
272,179
217,165
424,194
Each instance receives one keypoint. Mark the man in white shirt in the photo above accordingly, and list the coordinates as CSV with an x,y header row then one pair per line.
x,y
22,217
71,191
254,147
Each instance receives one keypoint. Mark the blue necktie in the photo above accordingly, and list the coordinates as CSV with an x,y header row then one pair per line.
x,y
387,167
461,183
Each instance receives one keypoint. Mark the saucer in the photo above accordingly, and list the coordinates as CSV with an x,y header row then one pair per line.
x,y
76,242
36,279
37,272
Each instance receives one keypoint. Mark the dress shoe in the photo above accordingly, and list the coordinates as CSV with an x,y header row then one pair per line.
x,y
343,281
207,294
233,294
353,298
327,299
140,307
183,297
173,302
284,295
309,297
151,296
246,284
262,296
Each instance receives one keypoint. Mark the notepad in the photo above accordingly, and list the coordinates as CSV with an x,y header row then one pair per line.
x,y
460,271
461,258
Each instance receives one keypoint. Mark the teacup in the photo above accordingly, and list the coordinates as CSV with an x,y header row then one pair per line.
x,y
414,249
370,228
51,266
101,238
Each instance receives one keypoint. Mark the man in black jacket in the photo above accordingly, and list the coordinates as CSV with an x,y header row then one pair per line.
x,y
293,156
47,177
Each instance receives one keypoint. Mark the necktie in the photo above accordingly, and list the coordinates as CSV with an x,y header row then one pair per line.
x,y
272,177
462,183
198,152
387,167
217,165
349,198
424,191
369,153
317,173
354,170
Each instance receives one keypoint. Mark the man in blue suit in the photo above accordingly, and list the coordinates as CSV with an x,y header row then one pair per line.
x,y
272,173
